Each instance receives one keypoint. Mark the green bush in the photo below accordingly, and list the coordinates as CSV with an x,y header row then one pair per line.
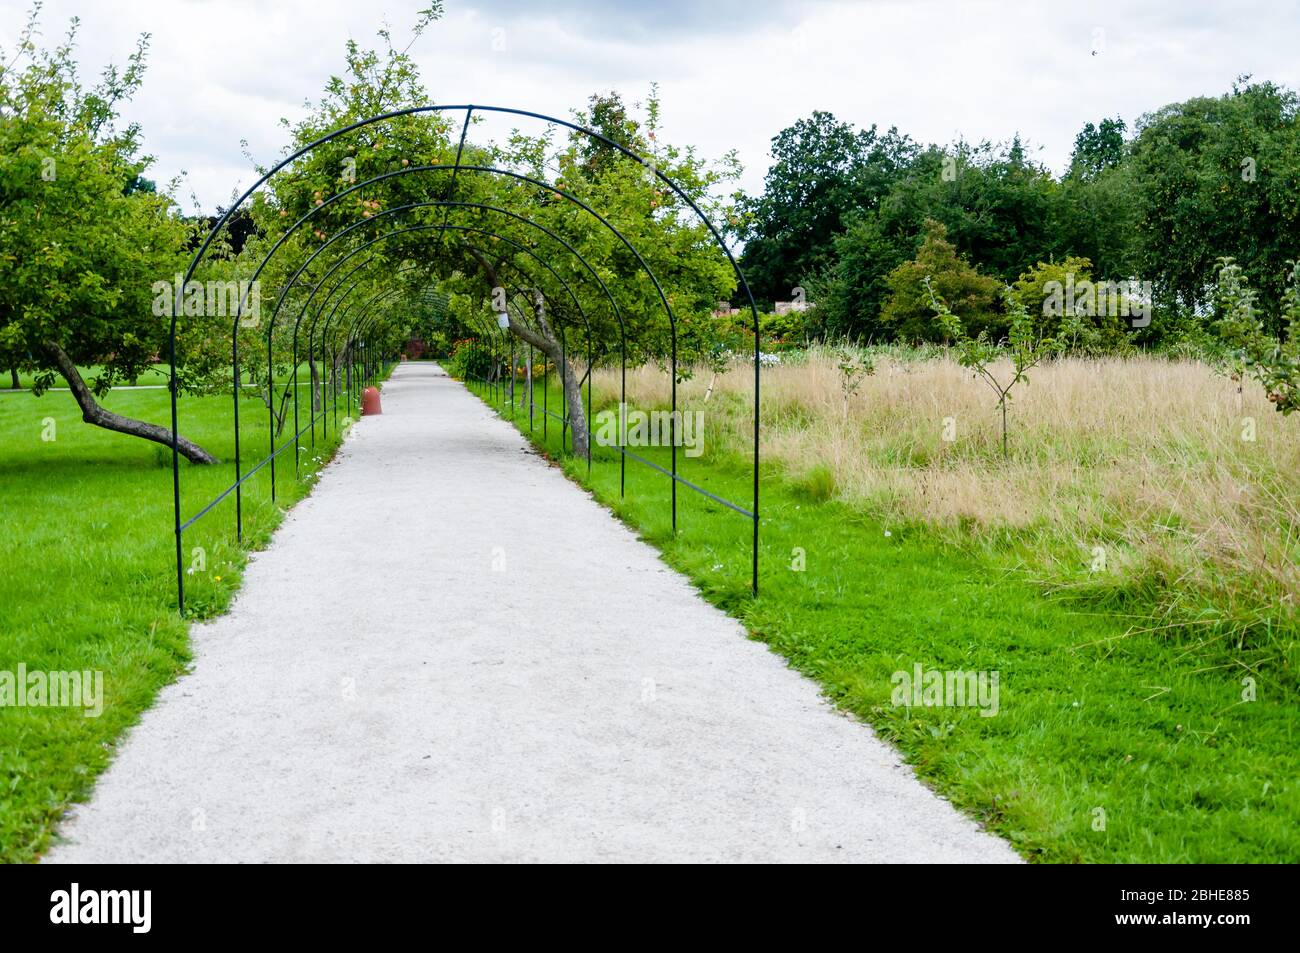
x,y
1044,292
976,298
470,357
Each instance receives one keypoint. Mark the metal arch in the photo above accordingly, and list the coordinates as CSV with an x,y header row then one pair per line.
x,y
354,328
676,189
577,302
443,168
392,292
335,238
333,365
361,222
332,293
447,205
469,109
237,487
274,452
358,322
431,227
586,264
368,244
526,221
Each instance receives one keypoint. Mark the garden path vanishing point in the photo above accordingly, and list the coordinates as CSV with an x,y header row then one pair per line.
x,y
450,652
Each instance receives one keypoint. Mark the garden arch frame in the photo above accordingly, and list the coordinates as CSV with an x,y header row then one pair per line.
x,y
469,110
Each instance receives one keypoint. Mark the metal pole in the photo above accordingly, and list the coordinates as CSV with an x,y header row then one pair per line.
x,y
311,385
270,408
297,451
564,391
239,486
176,467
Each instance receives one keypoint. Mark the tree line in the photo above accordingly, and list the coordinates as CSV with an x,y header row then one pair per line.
x,y
845,213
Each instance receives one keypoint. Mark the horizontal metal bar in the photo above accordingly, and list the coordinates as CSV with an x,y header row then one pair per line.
x,y
682,480
244,478
640,459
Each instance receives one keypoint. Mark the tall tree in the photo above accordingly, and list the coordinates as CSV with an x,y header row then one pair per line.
x,y
938,269
822,171
82,241
994,203
1097,148
1218,177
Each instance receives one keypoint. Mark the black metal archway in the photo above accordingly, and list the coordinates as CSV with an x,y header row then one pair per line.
x,y
355,341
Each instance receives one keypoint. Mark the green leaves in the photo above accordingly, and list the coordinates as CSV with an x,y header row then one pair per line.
x,y
1025,348
81,242
1275,363
939,272
1216,176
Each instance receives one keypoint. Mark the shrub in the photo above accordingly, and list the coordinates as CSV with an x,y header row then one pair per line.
x,y
909,311
1040,291
469,357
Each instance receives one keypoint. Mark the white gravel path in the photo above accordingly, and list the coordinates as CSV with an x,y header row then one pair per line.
x,y
451,653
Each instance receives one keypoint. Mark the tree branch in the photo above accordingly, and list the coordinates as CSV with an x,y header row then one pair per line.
x,y
93,413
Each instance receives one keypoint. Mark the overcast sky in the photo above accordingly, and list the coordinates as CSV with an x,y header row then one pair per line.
x,y
731,74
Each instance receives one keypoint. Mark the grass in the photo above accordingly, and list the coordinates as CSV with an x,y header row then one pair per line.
x,y
1109,745
87,575
155,376
1093,716
1153,487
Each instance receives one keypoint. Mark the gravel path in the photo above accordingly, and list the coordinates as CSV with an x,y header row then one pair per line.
x,y
451,653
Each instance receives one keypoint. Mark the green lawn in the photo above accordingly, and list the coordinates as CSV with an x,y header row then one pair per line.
x,y
1152,734
155,376
87,575
1090,720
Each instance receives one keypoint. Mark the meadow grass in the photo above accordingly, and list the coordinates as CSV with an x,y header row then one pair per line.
x,y
1151,487
87,574
1109,745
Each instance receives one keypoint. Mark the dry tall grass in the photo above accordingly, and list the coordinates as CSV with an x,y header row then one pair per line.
x,y
1144,461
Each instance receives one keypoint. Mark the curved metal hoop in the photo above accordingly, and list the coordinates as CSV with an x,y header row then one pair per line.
x,y
469,110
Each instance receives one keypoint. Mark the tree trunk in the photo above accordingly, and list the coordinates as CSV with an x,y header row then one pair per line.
x,y
13,378
1003,403
315,387
546,342
544,339
92,413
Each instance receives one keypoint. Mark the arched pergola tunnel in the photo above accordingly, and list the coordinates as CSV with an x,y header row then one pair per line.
x,y
486,232
353,340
